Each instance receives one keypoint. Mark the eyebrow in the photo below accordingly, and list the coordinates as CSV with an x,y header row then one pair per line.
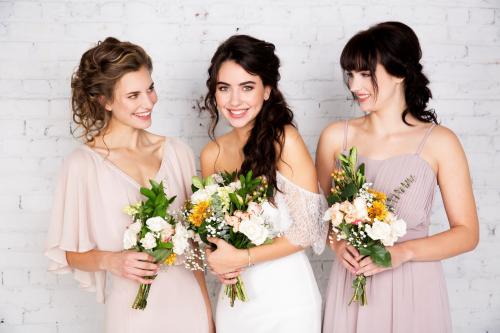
x,y
137,92
241,84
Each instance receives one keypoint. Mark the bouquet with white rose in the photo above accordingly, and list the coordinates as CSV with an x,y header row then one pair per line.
x,y
155,232
233,209
363,217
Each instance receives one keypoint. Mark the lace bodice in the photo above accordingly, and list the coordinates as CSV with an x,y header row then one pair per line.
x,y
300,215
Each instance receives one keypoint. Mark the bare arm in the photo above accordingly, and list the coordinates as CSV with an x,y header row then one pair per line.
x,y
329,146
456,190
128,264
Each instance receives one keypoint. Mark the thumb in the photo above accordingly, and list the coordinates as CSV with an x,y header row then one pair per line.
x,y
214,240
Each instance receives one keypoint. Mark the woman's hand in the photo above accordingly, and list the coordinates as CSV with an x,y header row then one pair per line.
x,y
225,259
131,265
345,253
229,278
398,257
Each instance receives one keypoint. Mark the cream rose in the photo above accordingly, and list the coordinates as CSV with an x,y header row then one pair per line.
x,y
148,241
255,230
156,224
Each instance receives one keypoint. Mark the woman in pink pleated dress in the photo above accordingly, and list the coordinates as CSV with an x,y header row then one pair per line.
x,y
112,100
397,139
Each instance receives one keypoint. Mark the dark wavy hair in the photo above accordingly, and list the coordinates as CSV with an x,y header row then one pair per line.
x,y
396,47
264,146
94,81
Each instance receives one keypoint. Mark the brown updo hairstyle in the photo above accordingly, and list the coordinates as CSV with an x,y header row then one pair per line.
x,y
94,81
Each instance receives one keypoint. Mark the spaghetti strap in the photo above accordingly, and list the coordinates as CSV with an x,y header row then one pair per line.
x,y
346,127
424,140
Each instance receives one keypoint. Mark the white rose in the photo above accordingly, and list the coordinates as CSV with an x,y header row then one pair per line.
x,y
256,232
398,228
378,230
211,189
180,239
156,224
389,241
148,241
199,196
129,239
135,227
270,212
360,207
235,185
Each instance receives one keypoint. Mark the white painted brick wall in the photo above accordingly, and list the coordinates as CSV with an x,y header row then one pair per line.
x,y
41,43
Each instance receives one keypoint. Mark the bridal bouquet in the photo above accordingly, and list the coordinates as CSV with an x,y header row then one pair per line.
x,y
232,209
155,232
363,217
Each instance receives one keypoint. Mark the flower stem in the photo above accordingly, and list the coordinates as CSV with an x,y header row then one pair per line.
x,y
236,291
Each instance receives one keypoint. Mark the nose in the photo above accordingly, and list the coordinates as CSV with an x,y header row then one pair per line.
x,y
149,100
354,83
234,98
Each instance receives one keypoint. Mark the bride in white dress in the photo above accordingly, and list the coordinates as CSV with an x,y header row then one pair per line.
x,y
282,292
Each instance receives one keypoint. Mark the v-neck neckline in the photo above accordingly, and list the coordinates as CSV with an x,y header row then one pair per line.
x,y
125,175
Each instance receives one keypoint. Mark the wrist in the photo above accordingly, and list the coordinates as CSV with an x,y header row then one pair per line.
x,y
103,261
242,258
406,252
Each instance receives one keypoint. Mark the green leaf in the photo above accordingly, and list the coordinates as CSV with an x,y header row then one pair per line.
x,y
160,254
380,256
148,193
154,184
348,191
197,182
209,181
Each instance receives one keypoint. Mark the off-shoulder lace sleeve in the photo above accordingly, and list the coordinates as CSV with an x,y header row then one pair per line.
x,y
305,209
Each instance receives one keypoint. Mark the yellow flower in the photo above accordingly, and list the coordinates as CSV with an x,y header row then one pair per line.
x,y
377,210
170,259
379,196
199,212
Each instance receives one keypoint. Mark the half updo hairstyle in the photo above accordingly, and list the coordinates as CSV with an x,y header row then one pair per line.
x,y
265,143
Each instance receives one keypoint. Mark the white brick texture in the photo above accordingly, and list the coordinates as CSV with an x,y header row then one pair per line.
x,y
41,43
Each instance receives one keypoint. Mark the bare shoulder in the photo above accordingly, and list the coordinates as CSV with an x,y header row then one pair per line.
x,y
444,141
333,136
208,157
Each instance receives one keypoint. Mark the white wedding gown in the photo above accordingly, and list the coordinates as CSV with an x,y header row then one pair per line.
x,y
283,295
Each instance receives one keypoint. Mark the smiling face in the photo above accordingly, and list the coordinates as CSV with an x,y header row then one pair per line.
x,y
133,99
388,92
239,95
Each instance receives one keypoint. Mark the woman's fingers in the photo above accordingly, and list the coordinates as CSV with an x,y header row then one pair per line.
x,y
352,250
351,260
230,275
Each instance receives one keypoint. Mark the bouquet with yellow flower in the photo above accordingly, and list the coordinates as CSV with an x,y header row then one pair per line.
x,y
233,209
362,216
155,232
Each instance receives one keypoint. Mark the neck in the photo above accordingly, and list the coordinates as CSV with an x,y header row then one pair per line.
x,y
388,119
242,134
118,135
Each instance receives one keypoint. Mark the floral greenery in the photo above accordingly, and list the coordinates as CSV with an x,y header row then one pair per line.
x,y
361,216
155,232
230,207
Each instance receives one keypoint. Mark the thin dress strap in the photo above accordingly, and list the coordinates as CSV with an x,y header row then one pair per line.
x,y
424,140
346,127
